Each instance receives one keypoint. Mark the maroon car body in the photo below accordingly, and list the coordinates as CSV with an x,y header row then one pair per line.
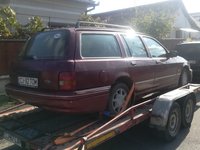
x,y
76,69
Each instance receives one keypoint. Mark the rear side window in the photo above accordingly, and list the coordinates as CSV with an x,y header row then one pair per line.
x,y
135,46
47,45
155,49
99,45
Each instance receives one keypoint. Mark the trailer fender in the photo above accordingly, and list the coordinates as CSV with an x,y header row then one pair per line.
x,y
163,104
160,112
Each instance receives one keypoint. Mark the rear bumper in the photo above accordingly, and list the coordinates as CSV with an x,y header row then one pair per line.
x,y
84,101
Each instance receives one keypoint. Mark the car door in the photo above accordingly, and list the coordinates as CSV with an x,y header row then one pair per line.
x,y
98,60
167,69
140,65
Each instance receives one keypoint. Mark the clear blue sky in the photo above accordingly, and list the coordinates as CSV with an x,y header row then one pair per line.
x,y
108,5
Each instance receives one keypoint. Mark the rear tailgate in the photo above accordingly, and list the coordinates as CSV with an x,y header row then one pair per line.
x,y
45,56
40,74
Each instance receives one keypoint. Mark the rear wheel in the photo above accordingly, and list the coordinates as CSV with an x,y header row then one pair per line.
x,y
188,111
184,79
117,97
174,122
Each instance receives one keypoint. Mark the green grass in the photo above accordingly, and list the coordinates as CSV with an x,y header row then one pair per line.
x,y
6,102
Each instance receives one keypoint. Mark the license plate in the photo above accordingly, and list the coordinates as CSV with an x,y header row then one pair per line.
x,y
12,139
28,82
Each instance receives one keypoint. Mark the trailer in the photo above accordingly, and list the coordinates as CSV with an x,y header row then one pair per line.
x,y
33,128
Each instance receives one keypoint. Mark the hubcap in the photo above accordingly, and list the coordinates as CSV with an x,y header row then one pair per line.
x,y
188,111
173,123
118,99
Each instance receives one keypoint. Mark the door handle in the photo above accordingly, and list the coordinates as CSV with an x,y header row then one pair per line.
x,y
133,63
159,62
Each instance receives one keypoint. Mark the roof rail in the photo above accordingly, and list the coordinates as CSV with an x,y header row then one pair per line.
x,y
47,29
96,24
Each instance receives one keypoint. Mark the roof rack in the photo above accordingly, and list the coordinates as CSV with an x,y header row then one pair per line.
x,y
58,27
47,29
97,24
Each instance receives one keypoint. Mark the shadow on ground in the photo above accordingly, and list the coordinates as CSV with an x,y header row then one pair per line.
x,y
142,137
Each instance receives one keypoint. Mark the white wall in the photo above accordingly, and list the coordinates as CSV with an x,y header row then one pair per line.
x,y
62,11
4,2
196,16
182,22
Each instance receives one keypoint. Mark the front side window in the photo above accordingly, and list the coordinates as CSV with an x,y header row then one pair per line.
x,y
135,46
155,49
99,45
47,45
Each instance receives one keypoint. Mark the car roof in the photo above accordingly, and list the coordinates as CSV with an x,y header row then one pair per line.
x,y
99,29
96,26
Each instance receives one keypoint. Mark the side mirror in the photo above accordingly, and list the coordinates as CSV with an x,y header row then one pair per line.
x,y
172,54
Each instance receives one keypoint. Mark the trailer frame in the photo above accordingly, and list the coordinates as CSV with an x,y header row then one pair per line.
x,y
99,129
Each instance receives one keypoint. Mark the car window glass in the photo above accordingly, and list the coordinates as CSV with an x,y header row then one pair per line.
x,y
155,49
99,45
47,45
135,46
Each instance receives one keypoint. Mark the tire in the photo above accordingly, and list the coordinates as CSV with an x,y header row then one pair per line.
x,y
184,78
173,123
117,97
187,111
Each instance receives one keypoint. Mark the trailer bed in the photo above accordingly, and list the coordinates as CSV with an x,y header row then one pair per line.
x,y
34,128
39,127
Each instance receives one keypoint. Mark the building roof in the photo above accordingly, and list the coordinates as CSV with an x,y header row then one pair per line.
x,y
164,4
194,24
59,13
90,2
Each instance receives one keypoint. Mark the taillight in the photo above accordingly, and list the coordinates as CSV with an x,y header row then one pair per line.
x,y
67,81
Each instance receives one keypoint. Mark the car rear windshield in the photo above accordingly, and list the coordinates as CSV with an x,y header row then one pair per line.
x,y
188,50
47,45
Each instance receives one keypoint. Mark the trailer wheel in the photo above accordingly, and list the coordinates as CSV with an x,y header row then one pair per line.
x,y
187,111
117,97
174,122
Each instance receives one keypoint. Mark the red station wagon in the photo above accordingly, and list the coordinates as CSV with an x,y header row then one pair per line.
x,y
91,69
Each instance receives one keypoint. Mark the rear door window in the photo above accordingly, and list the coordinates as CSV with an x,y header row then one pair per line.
x,y
134,46
47,45
99,45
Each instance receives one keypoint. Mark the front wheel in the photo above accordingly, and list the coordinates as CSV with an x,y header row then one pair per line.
x,y
117,97
184,78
